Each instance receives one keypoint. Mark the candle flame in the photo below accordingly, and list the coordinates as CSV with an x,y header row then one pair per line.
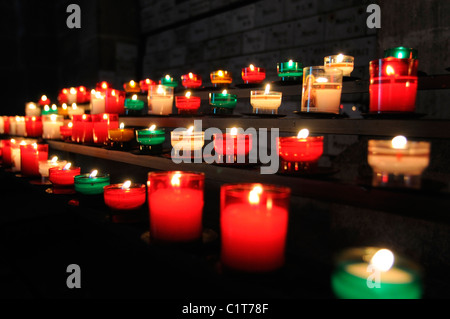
x,y
93,173
190,130
176,180
126,185
84,116
220,73
399,142
113,92
253,196
64,106
13,141
53,117
134,97
290,63
160,90
167,77
266,91
23,143
303,133
104,85
67,166
74,106
188,94
73,91
147,81
132,83
70,124
339,58
46,108
31,106
33,118
321,80
233,131
224,92
105,116
98,95
64,91
390,70
252,67
44,98
382,260
54,159
121,126
152,128
191,75
81,88
34,145
54,107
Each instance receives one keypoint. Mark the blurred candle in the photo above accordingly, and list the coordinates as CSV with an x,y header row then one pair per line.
x,y
132,87
168,81
187,140
30,155
114,101
97,102
82,129
51,126
252,74
401,53
232,147
33,126
74,109
125,196
253,225
187,104
44,100
102,123
145,85
20,126
191,81
62,178
63,110
175,202
133,105
31,109
72,96
47,110
290,71
63,96
46,164
221,78
66,131
160,100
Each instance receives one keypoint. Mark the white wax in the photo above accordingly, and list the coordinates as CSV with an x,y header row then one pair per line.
x,y
20,128
32,109
97,105
44,166
50,129
325,99
2,125
265,102
15,157
402,164
12,126
77,111
187,142
160,105
71,98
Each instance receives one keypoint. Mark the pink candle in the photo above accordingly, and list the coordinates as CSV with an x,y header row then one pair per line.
x,y
253,224
175,205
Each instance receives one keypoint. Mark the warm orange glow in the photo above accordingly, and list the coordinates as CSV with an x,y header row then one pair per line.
x,y
176,180
390,70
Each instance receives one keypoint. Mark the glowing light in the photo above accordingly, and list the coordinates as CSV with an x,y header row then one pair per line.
x,y
266,91
67,166
70,124
234,131
224,92
32,106
54,107
132,83
168,77
98,95
64,106
73,91
175,181
340,58
220,73
147,81
390,70
46,108
121,126
105,116
160,90
54,159
191,75
134,97
252,67
126,185
93,173
113,92
303,133
64,91
33,118
253,196
81,88
44,98
382,260
321,80
53,117
188,94
290,63
104,85
152,127
84,116
399,142
74,106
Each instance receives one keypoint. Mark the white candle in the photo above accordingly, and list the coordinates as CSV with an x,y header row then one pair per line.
x,y
72,96
51,126
265,101
44,166
31,109
12,125
160,100
340,61
187,140
97,102
20,125
75,110
2,125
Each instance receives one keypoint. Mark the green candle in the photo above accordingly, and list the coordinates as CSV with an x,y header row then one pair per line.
x,y
222,102
134,104
91,184
151,139
169,81
373,273
290,70
47,110
401,53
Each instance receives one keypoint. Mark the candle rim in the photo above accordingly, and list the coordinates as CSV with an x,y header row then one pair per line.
x,y
169,174
86,177
133,185
277,191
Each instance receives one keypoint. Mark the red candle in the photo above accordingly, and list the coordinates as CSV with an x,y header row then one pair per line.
x,y
102,86
253,74
253,224
30,155
102,123
66,131
6,152
230,146
83,96
33,126
114,101
125,196
82,129
6,125
63,179
175,202
145,85
393,85
187,104
62,96
191,81
44,100
301,152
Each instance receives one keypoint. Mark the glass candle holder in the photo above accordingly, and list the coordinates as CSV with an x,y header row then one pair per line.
x,y
132,87
187,104
74,109
145,85
62,179
52,126
44,167
102,123
299,154
66,132
33,126
175,201
97,104
393,85
290,71
20,126
31,109
253,74
62,96
322,88
44,100
187,141
168,81
253,225
83,95
72,96
12,125
150,141
125,197
30,155
87,184
375,273
4,125
82,129
114,101
120,138
232,147
401,53
134,105
48,110
397,162
191,81
221,78
265,102
222,103
160,100
340,61
6,153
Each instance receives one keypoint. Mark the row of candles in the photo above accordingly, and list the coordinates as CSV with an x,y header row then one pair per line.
x,y
253,217
393,88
